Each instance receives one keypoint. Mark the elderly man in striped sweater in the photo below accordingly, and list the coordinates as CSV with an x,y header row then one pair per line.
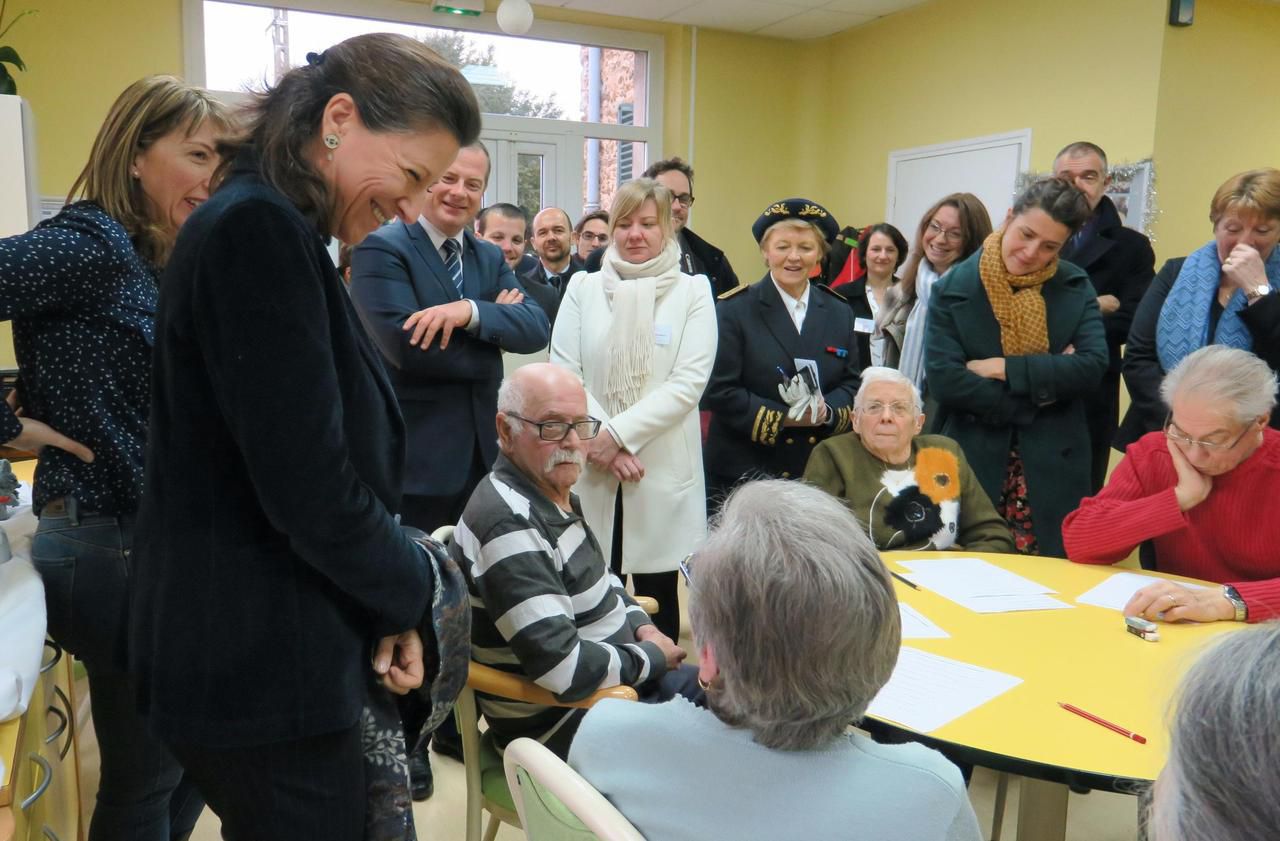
x,y
544,603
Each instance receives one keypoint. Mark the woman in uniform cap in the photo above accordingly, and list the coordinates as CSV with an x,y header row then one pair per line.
x,y
786,369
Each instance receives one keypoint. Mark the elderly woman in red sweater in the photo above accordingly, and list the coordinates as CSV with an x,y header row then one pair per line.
x,y
1197,491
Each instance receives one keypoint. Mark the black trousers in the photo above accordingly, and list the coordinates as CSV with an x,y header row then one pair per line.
x,y
429,513
1102,414
310,789
663,586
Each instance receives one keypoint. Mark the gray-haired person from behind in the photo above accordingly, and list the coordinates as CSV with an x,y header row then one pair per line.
x,y
1221,781
797,629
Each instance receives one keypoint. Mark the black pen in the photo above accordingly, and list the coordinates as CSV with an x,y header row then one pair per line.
x,y
905,580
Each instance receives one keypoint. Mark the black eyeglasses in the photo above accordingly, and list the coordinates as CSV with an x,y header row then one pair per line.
x,y
685,199
559,430
1179,438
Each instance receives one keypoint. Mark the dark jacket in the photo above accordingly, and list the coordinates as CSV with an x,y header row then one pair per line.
x,y
449,397
697,256
266,560
757,337
537,286
855,293
710,261
1143,372
1040,401
1119,262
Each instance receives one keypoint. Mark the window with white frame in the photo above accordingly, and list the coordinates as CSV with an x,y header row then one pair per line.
x,y
568,111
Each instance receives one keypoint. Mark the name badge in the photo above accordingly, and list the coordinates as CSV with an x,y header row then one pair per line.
x,y
864,325
662,334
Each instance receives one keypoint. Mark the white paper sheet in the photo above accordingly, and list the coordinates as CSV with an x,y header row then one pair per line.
x,y
1115,591
917,626
1013,604
928,691
981,586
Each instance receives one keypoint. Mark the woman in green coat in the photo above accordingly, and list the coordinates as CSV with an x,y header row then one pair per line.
x,y
1014,342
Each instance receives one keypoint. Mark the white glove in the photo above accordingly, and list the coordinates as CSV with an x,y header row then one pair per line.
x,y
796,394
814,406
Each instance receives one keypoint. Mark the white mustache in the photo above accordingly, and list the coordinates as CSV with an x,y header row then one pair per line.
x,y
560,457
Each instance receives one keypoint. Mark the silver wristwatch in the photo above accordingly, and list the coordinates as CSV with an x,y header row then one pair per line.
x,y
1233,596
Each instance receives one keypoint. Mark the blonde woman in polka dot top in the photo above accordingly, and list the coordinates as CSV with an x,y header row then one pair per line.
x,y
80,290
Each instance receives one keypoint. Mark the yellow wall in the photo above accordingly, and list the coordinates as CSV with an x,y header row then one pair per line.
x,y
7,359
953,70
748,129
1217,113
79,56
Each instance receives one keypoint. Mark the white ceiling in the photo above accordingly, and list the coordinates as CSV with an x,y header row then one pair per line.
x,y
797,19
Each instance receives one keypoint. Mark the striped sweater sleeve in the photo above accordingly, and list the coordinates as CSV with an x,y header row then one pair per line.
x,y
519,577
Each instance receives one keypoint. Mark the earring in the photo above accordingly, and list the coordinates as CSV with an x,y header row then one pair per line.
x,y
704,685
331,140
135,174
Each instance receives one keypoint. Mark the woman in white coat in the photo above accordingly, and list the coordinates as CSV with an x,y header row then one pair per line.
x,y
642,335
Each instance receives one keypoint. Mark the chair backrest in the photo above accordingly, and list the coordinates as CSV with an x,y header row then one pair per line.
x,y
554,801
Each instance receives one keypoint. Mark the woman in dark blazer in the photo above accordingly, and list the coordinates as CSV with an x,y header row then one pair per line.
x,y
755,432
1014,343
270,569
1223,293
882,249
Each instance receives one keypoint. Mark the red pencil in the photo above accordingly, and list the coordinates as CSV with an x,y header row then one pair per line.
x,y
1128,734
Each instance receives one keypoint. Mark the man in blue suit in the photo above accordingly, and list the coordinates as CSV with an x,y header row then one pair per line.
x,y
442,305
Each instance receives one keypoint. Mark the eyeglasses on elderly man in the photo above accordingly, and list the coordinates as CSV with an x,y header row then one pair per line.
x,y
559,430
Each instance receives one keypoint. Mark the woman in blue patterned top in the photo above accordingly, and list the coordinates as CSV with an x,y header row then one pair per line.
x,y
81,291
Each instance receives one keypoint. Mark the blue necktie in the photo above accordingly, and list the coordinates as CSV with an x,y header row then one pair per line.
x,y
453,264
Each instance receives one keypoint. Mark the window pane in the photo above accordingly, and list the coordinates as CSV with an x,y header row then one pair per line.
x,y
614,82
249,46
609,163
530,183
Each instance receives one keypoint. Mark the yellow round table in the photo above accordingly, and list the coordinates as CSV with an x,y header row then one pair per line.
x,y
1081,656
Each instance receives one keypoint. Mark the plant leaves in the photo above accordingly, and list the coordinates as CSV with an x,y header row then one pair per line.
x,y
7,84
10,55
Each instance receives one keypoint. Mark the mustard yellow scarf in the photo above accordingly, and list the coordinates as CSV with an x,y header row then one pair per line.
x,y
1016,300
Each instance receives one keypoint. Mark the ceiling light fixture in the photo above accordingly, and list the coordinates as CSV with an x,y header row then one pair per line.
x,y
515,16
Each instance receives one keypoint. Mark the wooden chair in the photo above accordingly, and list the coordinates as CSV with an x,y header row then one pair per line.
x,y
555,803
487,788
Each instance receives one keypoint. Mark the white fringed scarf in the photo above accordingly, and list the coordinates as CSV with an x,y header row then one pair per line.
x,y
633,291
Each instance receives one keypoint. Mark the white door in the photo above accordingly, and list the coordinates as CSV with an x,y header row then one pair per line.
x,y
988,167
529,170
